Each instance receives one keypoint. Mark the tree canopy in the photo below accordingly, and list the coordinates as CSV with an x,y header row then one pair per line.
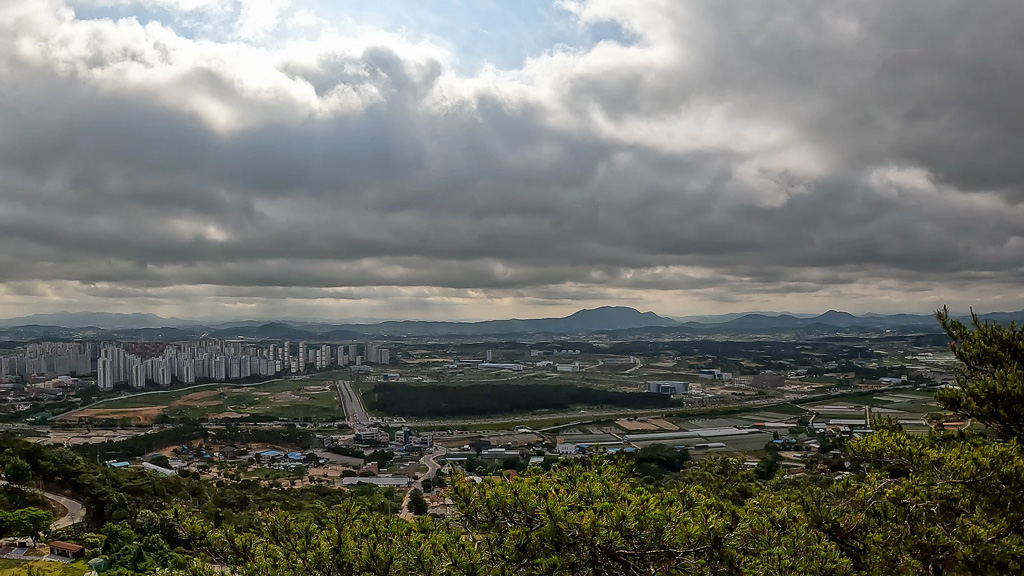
x,y
991,377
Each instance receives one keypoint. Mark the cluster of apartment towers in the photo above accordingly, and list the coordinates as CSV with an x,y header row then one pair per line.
x,y
223,360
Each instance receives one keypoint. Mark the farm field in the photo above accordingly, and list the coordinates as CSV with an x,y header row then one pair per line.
x,y
907,406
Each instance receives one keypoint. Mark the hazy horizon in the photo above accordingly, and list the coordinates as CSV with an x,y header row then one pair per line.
x,y
368,320
486,160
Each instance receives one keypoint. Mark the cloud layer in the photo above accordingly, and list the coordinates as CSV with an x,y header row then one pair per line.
x,y
741,155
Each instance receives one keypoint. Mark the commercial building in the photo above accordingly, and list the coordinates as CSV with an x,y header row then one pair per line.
x,y
714,374
668,387
493,366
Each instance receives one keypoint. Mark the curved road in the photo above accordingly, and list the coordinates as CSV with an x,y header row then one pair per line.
x,y
76,510
432,467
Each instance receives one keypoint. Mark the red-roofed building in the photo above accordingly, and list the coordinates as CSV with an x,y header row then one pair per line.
x,y
66,550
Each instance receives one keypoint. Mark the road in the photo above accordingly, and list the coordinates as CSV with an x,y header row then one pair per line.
x,y
351,403
430,460
76,510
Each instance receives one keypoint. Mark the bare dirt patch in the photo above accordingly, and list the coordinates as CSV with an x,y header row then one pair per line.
x,y
195,396
136,416
632,425
664,424
285,397
516,439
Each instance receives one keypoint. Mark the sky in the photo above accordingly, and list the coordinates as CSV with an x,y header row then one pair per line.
x,y
483,159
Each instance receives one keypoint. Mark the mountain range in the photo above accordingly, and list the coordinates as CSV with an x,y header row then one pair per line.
x,y
604,319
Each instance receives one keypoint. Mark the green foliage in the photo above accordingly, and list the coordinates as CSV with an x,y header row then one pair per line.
x,y
381,457
143,444
25,522
133,508
17,471
417,503
991,380
586,519
657,460
497,398
768,466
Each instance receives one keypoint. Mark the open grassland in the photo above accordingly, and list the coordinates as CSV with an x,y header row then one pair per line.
x,y
292,399
41,568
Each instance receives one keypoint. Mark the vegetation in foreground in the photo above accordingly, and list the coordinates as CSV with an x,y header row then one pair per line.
x,y
41,568
949,503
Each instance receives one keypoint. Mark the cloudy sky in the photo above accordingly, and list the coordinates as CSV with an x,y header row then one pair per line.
x,y
487,159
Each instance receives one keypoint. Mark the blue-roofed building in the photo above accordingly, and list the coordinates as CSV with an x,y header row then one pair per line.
x,y
271,454
296,456
118,464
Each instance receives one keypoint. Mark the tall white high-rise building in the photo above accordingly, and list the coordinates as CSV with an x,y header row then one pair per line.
x,y
372,356
137,374
105,374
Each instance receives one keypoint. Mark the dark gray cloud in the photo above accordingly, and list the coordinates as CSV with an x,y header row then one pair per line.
x,y
746,153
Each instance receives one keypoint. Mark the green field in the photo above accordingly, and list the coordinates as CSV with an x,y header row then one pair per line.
x,y
291,399
41,568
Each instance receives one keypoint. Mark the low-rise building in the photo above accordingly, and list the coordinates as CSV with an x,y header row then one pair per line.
x,y
668,387
574,367
66,550
566,448
495,366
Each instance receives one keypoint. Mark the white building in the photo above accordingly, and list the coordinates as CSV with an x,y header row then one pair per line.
x,y
566,448
492,366
105,374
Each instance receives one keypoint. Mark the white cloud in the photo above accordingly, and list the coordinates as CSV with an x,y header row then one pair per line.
x,y
260,17
743,153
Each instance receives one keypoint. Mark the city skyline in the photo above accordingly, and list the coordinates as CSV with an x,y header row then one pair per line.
x,y
480,160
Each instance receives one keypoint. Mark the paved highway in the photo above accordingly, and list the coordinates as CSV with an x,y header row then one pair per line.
x,y
352,403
